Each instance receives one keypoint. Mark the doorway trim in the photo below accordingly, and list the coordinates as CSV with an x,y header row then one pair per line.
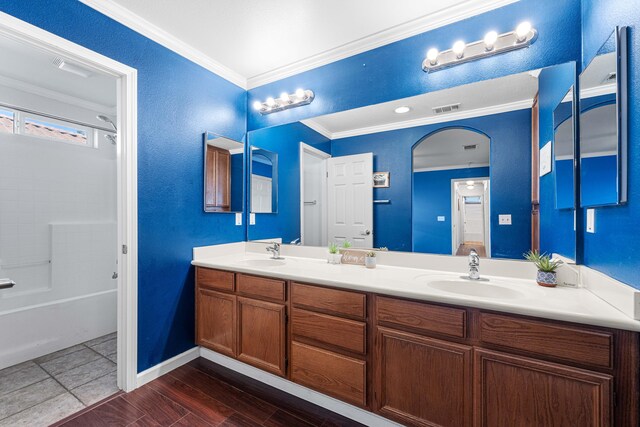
x,y
127,180
486,212
308,149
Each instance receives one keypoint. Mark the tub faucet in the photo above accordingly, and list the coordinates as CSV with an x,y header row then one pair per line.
x,y
474,264
275,250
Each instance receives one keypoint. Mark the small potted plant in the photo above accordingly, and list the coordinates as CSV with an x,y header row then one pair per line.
x,y
370,259
334,256
346,244
546,268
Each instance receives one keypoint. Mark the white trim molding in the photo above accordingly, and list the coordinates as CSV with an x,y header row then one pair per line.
x,y
417,26
167,366
127,176
441,118
140,25
360,415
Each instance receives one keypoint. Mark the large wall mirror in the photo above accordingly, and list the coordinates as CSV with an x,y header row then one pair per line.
x,y
440,173
603,125
223,174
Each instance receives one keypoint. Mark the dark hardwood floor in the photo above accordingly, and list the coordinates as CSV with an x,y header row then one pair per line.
x,y
202,393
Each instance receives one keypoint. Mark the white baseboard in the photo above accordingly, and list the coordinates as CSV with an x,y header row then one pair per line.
x,y
360,415
167,366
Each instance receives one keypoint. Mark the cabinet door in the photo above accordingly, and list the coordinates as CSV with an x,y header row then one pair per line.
x,y
423,381
216,321
261,334
217,179
518,391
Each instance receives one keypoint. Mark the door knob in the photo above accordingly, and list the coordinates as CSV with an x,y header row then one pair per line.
x,y
365,233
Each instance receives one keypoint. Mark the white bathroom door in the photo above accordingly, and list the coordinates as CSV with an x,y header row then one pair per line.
x,y
261,199
350,199
474,222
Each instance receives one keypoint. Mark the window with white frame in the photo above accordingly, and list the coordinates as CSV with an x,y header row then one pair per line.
x,y
30,124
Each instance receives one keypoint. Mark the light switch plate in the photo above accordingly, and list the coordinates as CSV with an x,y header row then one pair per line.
x,y
504,219
252,219
238,218
441,218
591,220
545,159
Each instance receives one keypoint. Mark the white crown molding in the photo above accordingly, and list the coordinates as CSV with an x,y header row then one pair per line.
x,y
592,92
399,32
55,95
129,19
441,118
317,127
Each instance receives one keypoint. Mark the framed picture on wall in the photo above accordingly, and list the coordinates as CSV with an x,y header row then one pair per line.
x,y
380,179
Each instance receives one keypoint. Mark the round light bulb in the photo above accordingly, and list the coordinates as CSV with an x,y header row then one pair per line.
x,y
523,31
470,182
257,105
271,102
300,93
402,110
458,48
432,56
470,187
490,40
284,96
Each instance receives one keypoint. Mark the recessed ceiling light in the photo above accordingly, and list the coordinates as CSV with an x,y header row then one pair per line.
x,y
470,187
402,110
470,182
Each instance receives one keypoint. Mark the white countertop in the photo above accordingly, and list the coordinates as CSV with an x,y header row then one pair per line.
x,y
561,303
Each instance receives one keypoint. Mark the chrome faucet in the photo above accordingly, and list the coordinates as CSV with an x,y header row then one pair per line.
x,y
474,264
275,250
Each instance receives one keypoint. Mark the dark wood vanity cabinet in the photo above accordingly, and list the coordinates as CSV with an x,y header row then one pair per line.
x,y
243,318
422,363
217,180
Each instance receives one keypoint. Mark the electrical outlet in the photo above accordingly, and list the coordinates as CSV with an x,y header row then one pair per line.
x,y
591,220
504,219
441,218
238,218
252,219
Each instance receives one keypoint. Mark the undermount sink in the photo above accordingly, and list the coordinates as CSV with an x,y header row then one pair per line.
x,y
476,289
262,262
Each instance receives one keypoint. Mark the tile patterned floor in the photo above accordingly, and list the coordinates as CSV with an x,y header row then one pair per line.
x,y
47,389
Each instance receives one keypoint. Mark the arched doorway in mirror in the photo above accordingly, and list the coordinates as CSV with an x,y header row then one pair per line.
x,y
451,197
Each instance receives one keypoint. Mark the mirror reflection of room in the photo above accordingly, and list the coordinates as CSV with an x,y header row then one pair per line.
x,y
455,167
224,166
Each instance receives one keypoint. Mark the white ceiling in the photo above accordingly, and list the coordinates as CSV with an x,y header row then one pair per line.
x,y
445,150
476,99
28,68
260,41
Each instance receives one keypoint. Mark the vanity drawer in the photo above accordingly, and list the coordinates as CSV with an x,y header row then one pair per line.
x,y
336,375
588,347
345,334
332,301
422,317
261,287
214,279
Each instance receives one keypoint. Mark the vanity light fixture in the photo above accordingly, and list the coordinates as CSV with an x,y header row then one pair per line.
x,y
492,44
402,110
285,101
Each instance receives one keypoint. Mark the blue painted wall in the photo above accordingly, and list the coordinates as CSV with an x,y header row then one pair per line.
x,y
565,195
599,181
556,226
237,182
285,140
394,71
432,198
612,248
510,154
177,102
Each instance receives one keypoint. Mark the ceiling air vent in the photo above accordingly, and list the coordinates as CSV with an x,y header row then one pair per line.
x,y
611,78
470,147
446,109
